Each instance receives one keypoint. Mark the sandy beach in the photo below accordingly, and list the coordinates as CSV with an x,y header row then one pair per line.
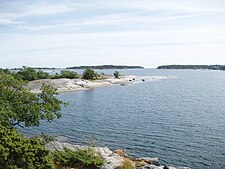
x,y
65,85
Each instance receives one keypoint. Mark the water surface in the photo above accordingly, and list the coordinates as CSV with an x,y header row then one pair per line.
x,y
181,120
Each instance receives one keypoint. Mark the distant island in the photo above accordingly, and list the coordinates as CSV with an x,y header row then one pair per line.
x,y
209,67
36,68
106,67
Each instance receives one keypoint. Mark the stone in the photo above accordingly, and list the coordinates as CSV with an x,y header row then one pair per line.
x,y
60,146
103,151
120,152
149,160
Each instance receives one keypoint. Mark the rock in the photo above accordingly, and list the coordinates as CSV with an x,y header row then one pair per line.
x,y
60,146
154,161
155,167
120,152
149,167
112,161
103,151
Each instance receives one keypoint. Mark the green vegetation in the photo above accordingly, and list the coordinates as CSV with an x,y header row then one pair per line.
x,y
106,67
29,74
17,152
210,67
116,74
81,157
45,139
89,74
21,108
65,74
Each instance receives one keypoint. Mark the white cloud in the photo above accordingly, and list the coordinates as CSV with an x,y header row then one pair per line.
x,y
172,5
114,32
44,9
22,11
112,19
152,48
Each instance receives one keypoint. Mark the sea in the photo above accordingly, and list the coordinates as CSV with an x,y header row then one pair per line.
x,y
179,120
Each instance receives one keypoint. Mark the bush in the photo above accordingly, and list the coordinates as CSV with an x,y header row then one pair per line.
x,y
17,152
89,74
116,74
68,74
45,139
81,157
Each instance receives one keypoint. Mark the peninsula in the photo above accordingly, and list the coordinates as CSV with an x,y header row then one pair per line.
x,y
195,67
79,84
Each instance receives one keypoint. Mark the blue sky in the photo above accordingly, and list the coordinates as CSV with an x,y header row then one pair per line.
x,y
94,32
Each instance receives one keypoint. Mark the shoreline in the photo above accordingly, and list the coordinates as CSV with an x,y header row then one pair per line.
x,y
67,85
113,159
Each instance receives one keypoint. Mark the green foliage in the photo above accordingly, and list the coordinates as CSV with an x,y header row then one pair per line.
x,y
68,74
21,107
89,74
116,74
81,157
45,139
42,75
17,152
28,73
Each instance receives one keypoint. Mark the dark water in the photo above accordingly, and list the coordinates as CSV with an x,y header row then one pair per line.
x,y
181,120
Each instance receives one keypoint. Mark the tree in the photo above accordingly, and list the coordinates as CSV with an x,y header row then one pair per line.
x,y
28,73
42,75
89,74
116,74
68,74
21,107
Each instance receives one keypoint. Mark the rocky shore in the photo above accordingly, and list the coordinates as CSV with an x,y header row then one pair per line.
x,y
114,159
65,85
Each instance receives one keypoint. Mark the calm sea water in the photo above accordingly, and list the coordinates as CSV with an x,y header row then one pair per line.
x,y
181,120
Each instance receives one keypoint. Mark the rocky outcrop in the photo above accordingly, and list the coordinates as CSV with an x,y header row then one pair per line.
x,y
113,159
64,85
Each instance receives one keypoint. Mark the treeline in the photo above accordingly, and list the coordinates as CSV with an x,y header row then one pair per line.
x,y
210,67
106,67
29,74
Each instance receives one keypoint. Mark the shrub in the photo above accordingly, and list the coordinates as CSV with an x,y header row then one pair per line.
x,y
28,74
89,74
17,152
116,74
45,139
68,74
81,157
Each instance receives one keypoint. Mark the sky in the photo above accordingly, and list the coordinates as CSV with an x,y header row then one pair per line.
x,y
149,33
